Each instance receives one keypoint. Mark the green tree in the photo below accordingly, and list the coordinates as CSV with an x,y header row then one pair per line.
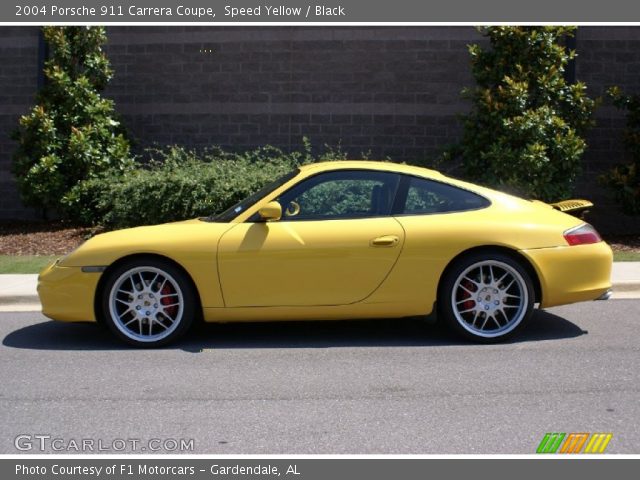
x,y
624,179
525,129
72,133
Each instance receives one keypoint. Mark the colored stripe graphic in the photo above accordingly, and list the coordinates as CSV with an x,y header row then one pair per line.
x,y
598,443
550,443
574,442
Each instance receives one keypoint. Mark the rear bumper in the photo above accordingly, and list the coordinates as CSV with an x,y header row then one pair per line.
x,y
572,274
67,293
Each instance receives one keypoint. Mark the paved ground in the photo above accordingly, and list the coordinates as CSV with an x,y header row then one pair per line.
x,y
343,387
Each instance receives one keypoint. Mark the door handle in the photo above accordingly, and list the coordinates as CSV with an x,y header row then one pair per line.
x,y
385,241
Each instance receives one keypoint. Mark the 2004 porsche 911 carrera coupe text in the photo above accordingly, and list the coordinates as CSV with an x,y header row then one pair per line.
x,y
337,240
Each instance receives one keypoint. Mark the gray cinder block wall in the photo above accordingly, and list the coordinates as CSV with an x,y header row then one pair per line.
x,y
390,91
18,84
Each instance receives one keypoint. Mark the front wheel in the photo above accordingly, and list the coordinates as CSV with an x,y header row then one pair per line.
x,y
148,302
486,297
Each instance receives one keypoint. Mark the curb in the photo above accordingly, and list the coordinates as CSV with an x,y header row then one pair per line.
x,y
19,300
22,307
626,287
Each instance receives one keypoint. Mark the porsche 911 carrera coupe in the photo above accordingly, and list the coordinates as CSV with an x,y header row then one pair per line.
x,y
338,240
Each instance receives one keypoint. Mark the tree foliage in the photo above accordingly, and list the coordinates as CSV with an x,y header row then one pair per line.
x,y
525,129
72,133
624,179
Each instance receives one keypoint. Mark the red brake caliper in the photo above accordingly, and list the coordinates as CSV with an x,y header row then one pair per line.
x,y
469,304
167,290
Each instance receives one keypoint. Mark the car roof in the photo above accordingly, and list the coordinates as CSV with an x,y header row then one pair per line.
x,y
371,165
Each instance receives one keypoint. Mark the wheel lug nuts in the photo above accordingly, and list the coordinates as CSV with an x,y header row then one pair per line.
x,y
496,302
148,313
139,297
138,307
486,307
155,305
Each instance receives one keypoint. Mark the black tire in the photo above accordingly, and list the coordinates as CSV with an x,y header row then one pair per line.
x,y
148,302
471,296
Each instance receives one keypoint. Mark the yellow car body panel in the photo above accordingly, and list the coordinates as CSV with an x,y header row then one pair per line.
x,y
299,313
67,293
572,274
331,269
298,264
192,244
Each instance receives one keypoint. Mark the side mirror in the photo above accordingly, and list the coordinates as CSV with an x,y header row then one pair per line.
x,y
271,211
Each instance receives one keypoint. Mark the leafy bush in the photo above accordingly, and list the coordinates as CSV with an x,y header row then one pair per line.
x,y
72,133
178,183
624,180
524,131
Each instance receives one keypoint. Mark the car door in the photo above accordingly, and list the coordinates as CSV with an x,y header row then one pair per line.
x,y
334,245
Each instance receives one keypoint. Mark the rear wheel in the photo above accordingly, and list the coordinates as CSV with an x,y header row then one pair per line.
x,y
148,302
486,297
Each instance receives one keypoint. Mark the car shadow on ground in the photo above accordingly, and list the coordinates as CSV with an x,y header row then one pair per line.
x,y
52,335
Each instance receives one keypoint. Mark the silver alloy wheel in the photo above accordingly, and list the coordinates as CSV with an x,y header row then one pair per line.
x,y
146,304
489,299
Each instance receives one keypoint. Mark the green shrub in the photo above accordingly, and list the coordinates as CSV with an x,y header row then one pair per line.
x,y
524,131
624,179
178,183
72,133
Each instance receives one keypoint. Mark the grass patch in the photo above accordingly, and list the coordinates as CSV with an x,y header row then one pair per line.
x,y
626,256
24,263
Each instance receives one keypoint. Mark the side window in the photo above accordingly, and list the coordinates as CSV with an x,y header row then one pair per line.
x,y
428,196
341,194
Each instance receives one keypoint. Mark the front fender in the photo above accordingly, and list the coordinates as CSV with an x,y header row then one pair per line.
x,y
192,245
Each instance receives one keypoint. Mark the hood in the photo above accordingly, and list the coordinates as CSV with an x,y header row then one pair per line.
x,y
165,239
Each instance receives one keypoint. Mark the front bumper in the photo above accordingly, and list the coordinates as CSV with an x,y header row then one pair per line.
x,y
67,293
571,274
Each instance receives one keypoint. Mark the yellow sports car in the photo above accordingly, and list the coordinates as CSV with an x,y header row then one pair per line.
x,y
338,240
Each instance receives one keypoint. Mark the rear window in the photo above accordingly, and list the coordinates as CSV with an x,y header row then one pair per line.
x,y
427,196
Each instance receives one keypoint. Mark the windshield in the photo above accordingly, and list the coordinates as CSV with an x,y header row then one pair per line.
x,y
235,210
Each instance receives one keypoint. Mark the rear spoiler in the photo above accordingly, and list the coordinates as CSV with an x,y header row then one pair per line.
x,y
574,207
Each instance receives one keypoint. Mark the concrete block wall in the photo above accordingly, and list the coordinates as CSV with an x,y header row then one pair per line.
x,y
18,85
391,91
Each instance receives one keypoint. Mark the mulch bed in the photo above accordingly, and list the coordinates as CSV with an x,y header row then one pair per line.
x,y
56,238
624,243
40,238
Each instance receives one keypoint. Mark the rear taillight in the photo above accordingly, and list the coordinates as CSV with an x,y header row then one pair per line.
x,y
582,235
